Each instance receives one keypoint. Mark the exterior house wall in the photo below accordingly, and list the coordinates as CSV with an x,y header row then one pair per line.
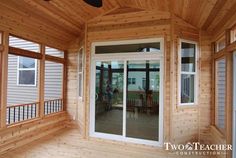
x,y
19,94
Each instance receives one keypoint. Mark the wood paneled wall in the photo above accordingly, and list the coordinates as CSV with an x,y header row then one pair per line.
x,y
184,119
18,135
205,91
114,27
180,124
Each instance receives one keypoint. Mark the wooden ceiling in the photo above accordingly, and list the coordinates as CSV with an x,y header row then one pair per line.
x,y
64,20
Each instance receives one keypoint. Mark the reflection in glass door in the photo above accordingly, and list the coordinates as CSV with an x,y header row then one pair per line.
x,y
143,100
127,99
109,97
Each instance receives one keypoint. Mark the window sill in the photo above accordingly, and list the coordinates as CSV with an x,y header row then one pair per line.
x,y
187,106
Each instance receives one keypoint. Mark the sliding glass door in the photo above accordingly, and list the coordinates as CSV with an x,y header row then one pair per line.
x,y
126,101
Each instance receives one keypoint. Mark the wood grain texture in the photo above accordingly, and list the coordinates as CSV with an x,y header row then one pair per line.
x,y
58,22
69,143
17,135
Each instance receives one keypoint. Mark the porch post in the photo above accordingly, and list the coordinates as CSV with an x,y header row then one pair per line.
x,y
41,81
4,74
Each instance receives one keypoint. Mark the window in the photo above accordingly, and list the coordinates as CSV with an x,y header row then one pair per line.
x,y
220,94
26,71
80,72
220,44
188,58
132,81
129,48
0,37
233,35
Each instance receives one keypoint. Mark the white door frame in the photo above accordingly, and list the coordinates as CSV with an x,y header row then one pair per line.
x,y
234,106
124,57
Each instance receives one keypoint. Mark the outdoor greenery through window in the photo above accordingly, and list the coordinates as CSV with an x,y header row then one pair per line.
x,y
188,73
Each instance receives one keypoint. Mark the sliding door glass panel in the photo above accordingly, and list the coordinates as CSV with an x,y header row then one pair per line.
x,y
109,97
142,112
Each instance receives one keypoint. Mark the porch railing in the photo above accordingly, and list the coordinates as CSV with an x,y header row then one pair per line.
x,y
53,106
22,112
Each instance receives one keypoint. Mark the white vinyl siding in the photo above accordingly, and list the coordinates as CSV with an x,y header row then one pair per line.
x,y
23,44
18,94
220,94
53,80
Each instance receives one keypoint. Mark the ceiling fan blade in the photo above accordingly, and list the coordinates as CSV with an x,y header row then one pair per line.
x,y
94,3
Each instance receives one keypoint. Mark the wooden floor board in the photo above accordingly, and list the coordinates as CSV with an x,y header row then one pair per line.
x,y
69,144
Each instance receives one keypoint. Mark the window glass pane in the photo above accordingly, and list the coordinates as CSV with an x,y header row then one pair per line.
x,y
80,84
80,61
127,48
188,55
142,117
53,87
233,35
220,93
22,94
0,37
26,77
220,44
109,97
187,88
23,44
25,62
54,52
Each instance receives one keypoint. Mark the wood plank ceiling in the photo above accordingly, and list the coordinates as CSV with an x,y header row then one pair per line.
x,y
63,20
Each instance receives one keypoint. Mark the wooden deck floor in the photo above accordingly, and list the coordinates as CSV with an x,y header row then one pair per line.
x,y
68,144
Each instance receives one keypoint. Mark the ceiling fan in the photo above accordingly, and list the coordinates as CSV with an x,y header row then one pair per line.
x,y
94,3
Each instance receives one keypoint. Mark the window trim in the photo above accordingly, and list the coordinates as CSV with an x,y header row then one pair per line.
x,y
25,69
180,72
82,75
